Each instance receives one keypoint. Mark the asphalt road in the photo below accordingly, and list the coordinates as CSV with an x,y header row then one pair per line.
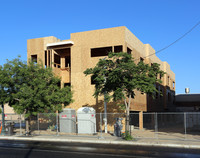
x,y
33,149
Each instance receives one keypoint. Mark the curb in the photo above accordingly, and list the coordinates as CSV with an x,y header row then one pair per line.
x,y
149,144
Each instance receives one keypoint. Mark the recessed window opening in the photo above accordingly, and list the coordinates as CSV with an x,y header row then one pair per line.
x,y
118,49
129,50
34,58
45,58
173,85
160,77
98,52
168,80
141,59
59,84
56,60
67,61
67,84
49,61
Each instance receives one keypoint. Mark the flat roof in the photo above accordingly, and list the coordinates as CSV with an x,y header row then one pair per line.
x,y
188,98
59,43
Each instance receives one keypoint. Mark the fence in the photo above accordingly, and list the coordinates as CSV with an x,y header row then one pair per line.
x,y
183,126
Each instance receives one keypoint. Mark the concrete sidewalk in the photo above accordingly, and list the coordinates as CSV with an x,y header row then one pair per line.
x,y
110,140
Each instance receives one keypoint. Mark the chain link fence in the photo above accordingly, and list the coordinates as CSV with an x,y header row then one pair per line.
x,y
176,126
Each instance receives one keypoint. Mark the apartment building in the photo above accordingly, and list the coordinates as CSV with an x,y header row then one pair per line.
x,y
70,58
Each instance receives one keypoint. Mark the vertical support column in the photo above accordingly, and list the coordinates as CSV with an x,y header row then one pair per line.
x,y
62,62
47,58
124,49
52,58
141,120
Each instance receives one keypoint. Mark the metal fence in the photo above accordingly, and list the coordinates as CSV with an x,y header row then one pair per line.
x,y
183,126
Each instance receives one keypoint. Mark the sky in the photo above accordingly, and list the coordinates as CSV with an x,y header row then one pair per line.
x,y
157,22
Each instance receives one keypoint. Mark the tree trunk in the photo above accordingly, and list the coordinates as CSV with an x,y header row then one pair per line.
x,y
28,122
127,128
3,121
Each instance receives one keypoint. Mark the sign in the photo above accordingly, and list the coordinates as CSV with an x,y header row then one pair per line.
x,y
64,116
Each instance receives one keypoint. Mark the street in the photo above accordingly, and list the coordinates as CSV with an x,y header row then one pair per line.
x,y
35,149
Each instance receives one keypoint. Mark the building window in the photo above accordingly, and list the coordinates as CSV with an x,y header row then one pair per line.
x,y
160,77
34,58
67,84
56,60
173,85
141,59
59,84
118,49
67,61
129,50
45,58
49,55
168,80
98,52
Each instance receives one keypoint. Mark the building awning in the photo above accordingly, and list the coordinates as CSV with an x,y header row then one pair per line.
x,y
62,43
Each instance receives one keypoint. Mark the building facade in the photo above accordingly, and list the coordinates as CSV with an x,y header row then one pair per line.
x,y
70,58
187,102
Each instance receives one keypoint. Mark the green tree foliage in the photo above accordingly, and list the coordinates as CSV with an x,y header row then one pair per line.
x,y
31,89
119,77
4,83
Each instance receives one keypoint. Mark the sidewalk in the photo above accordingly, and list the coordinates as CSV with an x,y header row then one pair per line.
x,y
108,139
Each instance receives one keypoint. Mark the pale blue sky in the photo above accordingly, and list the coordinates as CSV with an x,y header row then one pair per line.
x,y
157,22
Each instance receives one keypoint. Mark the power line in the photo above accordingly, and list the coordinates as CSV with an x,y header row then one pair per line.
x,y
173,42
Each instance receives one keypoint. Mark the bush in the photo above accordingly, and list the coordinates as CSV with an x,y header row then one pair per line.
x,y
127,136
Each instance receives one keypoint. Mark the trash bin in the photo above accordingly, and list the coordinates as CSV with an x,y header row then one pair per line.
x,y
10,128
118,127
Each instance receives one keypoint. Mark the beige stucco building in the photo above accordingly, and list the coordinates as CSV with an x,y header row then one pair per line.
x,y
70,58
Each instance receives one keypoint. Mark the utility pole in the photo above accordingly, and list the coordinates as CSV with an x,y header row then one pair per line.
x,y
105,112
105,104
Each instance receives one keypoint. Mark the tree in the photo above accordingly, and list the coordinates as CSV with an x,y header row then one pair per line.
x,y
4,97
119,77
33,89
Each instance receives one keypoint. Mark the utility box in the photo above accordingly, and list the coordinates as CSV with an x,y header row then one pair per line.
x,y
68,121
86,117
